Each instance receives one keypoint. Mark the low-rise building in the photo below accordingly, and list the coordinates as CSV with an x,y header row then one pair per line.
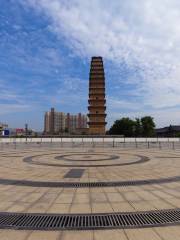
x,y
3,126
20,132
170,131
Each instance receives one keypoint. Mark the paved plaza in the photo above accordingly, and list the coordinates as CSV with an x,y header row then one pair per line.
x,y
40,180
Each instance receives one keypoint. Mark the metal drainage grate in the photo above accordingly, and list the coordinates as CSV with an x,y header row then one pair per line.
x,y
26,221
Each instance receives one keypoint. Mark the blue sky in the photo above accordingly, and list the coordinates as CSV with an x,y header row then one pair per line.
x,y
46,47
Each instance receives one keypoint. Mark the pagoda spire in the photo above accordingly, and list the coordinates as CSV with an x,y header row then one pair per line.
x,y
97,99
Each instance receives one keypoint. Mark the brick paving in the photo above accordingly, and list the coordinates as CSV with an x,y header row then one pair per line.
x,y
162,164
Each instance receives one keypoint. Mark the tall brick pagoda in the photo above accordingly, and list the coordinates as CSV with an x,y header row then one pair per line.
x,y
97,100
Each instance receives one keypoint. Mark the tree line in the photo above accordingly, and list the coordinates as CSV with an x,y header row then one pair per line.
x,y
140,127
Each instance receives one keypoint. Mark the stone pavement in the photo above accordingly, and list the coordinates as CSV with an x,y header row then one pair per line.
x,y
51,165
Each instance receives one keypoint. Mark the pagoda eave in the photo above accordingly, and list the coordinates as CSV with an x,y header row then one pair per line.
x,y
96,123
96,108
96,115
97,94
95,100
92,88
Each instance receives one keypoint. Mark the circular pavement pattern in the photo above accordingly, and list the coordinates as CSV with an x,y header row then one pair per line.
x,y
112,181
81,157
84,159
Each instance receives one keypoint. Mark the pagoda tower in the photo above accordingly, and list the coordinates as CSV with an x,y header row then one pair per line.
x,y
97,100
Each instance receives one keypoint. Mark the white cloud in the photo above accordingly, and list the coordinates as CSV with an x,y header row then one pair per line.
x,y
142,33
70,94
119,105
145,34
13,108
11,100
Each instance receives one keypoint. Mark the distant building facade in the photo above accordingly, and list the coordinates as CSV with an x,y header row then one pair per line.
x,y
20,132
3,126
47,119
170,131
74,122
59,122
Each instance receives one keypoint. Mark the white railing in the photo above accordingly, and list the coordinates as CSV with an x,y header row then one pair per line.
x,y
85,140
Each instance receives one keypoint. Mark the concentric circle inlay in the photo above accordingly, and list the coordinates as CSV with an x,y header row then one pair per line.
x,y
82,157
78,157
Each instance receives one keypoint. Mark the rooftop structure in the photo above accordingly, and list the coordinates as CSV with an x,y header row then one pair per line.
x,y
170,131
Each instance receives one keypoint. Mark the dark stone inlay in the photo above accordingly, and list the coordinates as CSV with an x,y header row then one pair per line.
x,y
9,156
167,157
30,183
30,160
93,221
74,173
107,157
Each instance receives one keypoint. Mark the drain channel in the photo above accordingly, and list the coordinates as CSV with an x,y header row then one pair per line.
x,y
30,221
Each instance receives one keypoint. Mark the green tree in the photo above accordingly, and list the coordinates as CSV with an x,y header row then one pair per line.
x,y
138,128
177,134
148,126
124,126
66,130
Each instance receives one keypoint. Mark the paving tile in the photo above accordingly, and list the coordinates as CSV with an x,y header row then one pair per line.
x,y
39,208
159,204
146,233
82,198
65,198
78,235
109,235
147,195
162,194
80,208
101,207
142,206
18,207
48,197
87,200
44,235
167,233
59,208
82,190
13,235
115,197
32,197
174,201
5,204
110,189
122,207
98,197
131,196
